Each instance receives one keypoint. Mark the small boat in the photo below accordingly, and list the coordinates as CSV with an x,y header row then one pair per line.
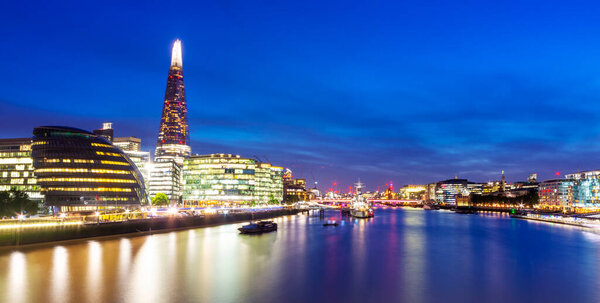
x,y
331,224
258,227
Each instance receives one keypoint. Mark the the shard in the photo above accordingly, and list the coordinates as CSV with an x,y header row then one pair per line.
x,y
173,136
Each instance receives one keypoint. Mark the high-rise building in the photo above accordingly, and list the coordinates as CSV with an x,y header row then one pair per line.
x,y
16,167
173,135
78,170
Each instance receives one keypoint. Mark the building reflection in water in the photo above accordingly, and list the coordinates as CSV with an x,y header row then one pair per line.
x,y
16,286
146,279
125,261
413,265
411,256
59,279
94,272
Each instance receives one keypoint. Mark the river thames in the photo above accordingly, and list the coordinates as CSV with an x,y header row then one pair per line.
x,y
400,255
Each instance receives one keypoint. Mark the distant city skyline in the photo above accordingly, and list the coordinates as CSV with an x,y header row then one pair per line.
x,y
337,92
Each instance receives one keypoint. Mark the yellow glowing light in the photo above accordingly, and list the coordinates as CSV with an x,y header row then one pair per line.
x,y
176,58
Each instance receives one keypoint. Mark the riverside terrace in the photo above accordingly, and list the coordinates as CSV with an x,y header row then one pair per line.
x,y
47,229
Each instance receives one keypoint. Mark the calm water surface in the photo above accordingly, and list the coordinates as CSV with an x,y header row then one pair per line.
x,y
401,255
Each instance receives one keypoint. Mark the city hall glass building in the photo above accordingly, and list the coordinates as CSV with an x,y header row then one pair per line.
x,y
230,179
78,170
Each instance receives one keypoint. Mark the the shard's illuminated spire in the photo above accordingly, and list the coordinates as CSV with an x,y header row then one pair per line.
x,y
176,58
174,135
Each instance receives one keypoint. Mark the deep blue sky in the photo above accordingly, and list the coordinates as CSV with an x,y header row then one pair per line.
x,y
409,91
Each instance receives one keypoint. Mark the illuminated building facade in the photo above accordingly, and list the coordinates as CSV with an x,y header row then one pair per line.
x,y
448,190
165,177
557,193
586,189
413,192
141,159
16,167
294,190
230,179
173,134
128,144
78,170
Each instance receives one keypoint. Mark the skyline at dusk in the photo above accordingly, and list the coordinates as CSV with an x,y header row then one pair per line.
x,y
412,93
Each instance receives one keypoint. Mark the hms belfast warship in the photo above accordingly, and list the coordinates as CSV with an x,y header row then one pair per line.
x,y
360,207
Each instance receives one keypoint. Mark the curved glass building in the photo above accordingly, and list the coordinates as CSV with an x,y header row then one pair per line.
x,y
78,170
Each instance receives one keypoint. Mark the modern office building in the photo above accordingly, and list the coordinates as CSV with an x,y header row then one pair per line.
x,y
173,135
16,167
132,147
268,184
448,190
79,170
128,144
230,179
557,193
165,177
586,189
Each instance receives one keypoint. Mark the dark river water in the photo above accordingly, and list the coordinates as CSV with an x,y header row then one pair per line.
x,y
401,255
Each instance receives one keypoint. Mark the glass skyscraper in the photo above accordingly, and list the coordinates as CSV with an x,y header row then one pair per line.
x,y
173,135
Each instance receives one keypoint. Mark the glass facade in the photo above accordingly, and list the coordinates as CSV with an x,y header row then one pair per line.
x,y
586,189
220,178
16,167
556,193
79,170
165,177
447,191
173,134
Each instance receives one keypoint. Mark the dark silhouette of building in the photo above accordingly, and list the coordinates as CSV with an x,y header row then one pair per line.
x,y
106,131
79,170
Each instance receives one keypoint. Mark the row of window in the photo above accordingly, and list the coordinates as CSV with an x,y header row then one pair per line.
x,y
108,154
99,189
102,145
82,170
54,179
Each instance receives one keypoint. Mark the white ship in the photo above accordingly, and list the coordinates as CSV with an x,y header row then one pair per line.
x,y
360,207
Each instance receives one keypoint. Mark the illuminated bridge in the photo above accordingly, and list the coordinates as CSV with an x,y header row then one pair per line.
x,y
375,201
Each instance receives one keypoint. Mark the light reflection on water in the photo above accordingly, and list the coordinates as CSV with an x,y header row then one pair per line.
x,y
400,255
59,279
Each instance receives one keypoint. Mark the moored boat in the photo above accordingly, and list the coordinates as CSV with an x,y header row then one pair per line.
x,y
258,227
360,207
